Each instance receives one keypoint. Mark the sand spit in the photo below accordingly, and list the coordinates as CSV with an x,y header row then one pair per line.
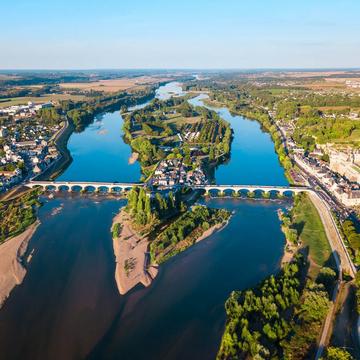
x,y
12,271
131,256
133,158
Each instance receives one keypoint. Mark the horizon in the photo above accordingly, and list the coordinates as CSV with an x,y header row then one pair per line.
x,y
208,35
304,69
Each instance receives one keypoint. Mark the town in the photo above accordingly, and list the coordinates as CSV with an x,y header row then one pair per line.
x,y
340,175
27,146
173,172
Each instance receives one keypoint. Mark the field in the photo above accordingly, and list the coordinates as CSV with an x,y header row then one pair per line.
x,y
181,120
38,99
114,85
312,233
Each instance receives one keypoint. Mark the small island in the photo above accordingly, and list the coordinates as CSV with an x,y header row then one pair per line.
x,y
177,143
154,227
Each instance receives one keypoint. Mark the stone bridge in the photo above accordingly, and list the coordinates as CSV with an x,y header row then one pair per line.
x,y
82,185
111,187
253,188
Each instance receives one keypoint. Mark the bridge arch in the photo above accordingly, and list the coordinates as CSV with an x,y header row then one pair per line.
x,y
102,189
115,190
76,188
63,188
89,188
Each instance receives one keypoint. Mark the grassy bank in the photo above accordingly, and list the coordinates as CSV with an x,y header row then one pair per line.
x,y
311,232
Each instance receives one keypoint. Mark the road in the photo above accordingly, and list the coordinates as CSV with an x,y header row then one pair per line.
x,y
328,322
338,248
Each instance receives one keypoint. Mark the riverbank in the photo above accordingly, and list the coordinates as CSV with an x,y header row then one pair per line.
x,y
12,269
289,251
131,256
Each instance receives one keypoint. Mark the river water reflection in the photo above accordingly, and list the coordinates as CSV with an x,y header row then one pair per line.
x,y
253,158
68,306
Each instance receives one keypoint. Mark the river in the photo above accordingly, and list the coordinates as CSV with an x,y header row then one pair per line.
x,y
253,159
68,306
99,152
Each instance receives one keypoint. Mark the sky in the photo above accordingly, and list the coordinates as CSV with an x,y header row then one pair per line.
x,y
199,34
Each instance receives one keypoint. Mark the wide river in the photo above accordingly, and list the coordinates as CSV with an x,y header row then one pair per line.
x,y
68,306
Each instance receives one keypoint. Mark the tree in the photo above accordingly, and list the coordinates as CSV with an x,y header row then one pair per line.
x,y
326,276
333,353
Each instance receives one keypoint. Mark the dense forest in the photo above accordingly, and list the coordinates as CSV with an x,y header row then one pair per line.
x,y
281,318
147,211
185,230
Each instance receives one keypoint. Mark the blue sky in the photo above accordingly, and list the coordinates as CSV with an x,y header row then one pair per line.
x,y
54,34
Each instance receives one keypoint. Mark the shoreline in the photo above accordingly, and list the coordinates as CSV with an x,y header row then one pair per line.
x,y
132,248
289,252
131,256
213,230
289,248
12,269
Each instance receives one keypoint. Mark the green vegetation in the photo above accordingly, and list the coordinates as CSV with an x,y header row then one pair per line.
x,y
178,126
357,286
148,212
185,230
288,227
309,315
116,230
165,219
277,319
302,226
353,239
18,214
324,130
334,353
50,116
311,232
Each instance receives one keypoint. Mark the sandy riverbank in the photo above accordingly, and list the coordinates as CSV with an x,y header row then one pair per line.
x,y
12,271
289,248
212,230
289,251
131,256
133,158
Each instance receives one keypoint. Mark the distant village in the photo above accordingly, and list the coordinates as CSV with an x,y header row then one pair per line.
x,y
25,149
